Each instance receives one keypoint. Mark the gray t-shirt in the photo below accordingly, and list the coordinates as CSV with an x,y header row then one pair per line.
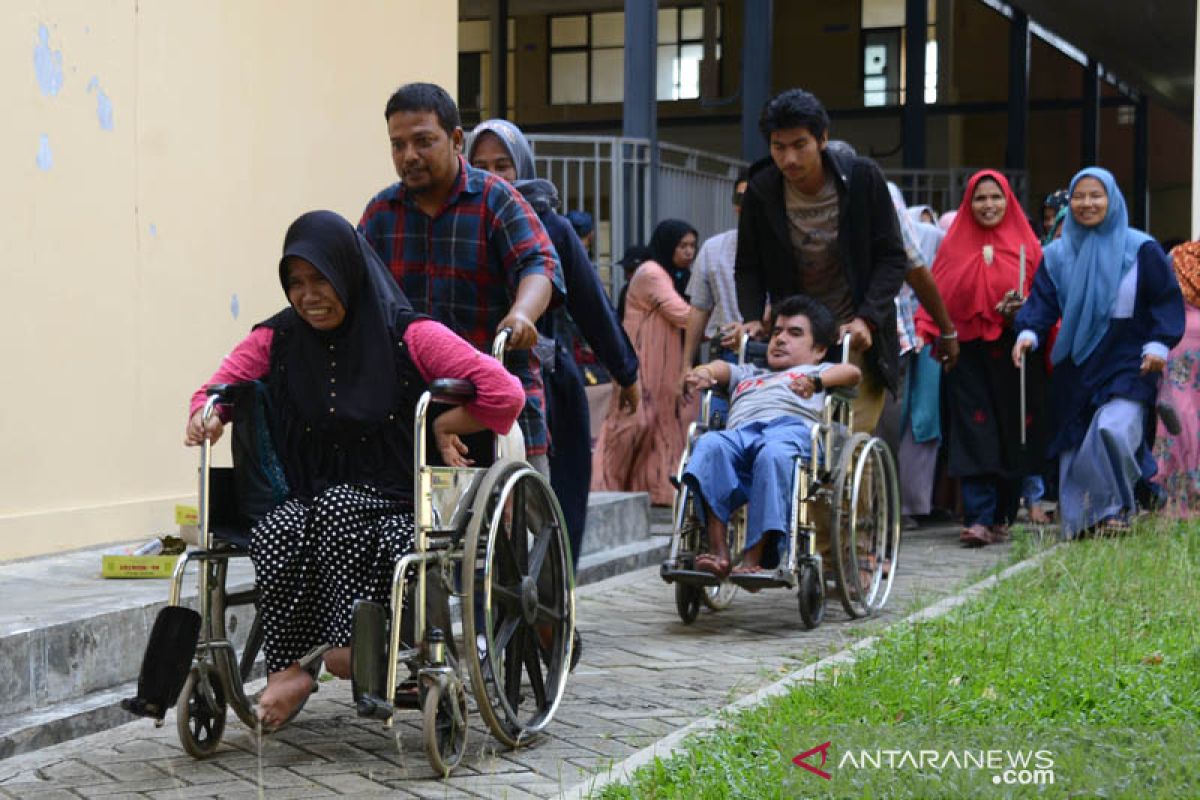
x,y
757,393
813,229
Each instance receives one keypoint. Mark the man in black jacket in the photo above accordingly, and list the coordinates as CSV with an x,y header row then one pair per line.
x,y
822,223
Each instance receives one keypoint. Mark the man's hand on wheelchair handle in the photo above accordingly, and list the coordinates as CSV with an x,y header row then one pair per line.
x,y
524,334
198,430
860,334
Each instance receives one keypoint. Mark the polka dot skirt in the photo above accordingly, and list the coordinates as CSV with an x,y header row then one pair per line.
x,y
313,560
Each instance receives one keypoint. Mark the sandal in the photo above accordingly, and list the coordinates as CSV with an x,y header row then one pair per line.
x,y
707,562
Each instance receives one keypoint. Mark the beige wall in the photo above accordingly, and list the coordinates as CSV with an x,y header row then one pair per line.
x,y
126,248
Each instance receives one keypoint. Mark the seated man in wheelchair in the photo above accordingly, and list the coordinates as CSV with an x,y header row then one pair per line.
x,y
771,414
344,367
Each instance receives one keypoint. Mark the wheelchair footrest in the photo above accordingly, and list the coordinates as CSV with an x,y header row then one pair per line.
x,y
689,577
166,662
763,580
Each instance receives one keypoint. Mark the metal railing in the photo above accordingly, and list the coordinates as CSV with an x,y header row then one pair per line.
x,y
943,188
609,177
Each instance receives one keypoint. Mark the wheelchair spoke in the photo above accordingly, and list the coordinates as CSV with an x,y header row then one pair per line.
x,y
533,665
512,672
540,547
545,614
509,596
505,633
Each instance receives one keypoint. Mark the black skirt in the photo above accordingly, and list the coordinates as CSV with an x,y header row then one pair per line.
x,y
981,412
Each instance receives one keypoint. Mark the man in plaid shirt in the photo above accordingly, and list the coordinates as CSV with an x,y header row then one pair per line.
x,y
464,245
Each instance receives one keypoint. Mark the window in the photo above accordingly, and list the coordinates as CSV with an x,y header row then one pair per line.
x,y
884,79
587,56
475,70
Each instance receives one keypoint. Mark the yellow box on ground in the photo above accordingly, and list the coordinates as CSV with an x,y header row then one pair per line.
x,y
123,566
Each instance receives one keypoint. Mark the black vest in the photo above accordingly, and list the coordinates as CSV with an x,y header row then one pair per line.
x,y
319,454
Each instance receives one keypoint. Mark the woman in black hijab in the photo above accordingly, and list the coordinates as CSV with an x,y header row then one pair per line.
x,y
673,245
344,365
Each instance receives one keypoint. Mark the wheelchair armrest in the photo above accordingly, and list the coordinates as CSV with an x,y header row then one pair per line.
x,y
452,391
847,393
228,393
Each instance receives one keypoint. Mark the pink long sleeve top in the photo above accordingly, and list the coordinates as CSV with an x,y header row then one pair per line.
x,y
436,351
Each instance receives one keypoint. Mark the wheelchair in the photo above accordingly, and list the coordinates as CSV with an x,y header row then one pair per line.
x,y
849,487
493,538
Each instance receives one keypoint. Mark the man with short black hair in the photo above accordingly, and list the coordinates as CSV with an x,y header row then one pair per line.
x,y
463,244
822,223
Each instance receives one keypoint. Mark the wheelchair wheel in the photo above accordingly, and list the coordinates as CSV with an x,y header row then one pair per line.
x,y
687,602
200,715
718,598
865,530
445,739
811,597
518,639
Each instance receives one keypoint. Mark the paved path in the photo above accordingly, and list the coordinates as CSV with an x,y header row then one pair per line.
x,y
644,674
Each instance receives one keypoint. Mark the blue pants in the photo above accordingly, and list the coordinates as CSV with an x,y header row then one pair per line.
x,y
752,464
570,445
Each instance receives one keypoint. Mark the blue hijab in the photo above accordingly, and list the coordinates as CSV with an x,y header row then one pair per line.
x,y
1086,266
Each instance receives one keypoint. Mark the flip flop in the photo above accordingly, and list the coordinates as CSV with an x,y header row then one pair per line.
x,y
707,562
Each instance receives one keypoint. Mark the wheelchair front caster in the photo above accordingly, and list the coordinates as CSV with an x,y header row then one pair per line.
x,y
718,597
811,596
445,724
687,602
200,715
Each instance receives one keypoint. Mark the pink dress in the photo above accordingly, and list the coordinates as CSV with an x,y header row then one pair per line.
x,y
640,452
1178,457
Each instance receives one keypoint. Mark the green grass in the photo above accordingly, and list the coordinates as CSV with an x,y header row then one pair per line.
x,y
1092,656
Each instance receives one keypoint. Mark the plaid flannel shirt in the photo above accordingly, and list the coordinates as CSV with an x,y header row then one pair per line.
x,y
462,267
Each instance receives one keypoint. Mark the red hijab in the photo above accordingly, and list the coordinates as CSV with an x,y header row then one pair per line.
x,y
971,287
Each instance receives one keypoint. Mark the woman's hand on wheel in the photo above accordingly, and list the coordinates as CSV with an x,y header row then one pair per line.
x,y
198,430
1152,363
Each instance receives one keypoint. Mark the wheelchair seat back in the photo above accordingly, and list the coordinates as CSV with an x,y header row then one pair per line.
x,y
241,495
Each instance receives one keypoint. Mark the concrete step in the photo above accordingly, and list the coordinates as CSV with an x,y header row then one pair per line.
x,y
71,642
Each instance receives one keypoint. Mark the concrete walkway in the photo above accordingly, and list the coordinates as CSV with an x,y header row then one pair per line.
x,y
644,674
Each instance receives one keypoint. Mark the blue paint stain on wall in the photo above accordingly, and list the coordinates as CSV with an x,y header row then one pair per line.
x,y
47,64
235,307
104,111
153,230
45,158
104,107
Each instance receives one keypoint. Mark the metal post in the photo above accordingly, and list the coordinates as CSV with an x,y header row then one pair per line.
x,y
641,105
1089,146
1141,164
1018,90
756,74
916,22
499,47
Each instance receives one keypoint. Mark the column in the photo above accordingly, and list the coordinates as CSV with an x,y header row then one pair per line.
x,y
1018,91
916,22
498,90
640,110
1089,144
756,74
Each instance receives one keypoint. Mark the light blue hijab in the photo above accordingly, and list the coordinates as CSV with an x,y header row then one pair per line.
x,y
1087,265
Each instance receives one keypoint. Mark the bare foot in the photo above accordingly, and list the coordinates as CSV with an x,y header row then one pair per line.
x,y
337,661
1037,516
285,691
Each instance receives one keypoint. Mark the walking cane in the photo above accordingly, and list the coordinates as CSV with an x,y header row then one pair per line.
x,y
1021,294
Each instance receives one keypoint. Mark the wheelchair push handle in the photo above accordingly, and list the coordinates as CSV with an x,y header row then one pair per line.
x,y
500,343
